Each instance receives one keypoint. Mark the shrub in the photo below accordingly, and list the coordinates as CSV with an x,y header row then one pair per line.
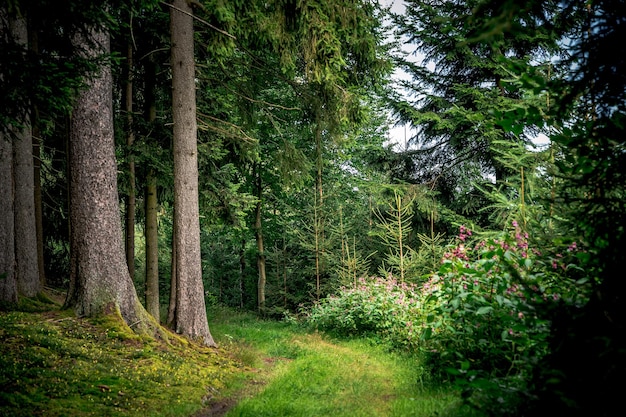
x,y
484,314
377,307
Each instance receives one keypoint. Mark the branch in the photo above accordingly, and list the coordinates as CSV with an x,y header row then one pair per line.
x,y
223,32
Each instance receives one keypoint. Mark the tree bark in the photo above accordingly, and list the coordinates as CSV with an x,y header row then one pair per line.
x,y
190,315
258,229
99,278
26,261
153,304
130,138
152,248
171,311
8,283
33,39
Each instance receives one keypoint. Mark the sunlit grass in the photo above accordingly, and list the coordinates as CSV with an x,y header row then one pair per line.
x,y
310,374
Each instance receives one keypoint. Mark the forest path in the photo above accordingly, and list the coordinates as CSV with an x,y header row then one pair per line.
x,y
310,374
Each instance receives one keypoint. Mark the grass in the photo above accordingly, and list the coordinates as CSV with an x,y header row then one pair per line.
x,y
310,374
54,364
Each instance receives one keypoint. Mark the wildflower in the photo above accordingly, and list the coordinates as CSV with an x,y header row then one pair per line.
x,y
514,223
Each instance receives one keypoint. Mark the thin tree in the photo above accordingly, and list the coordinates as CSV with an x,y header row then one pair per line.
x,y
190,317
258,230
151,204
27,266
19,265
8,283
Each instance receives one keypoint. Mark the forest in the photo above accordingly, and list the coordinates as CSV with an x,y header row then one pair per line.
x,y
440,179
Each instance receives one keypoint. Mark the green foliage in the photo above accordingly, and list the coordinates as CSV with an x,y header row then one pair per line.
x,y
382,308
395,227
485,314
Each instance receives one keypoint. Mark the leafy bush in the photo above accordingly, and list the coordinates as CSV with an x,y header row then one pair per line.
x,y
380,307
485,313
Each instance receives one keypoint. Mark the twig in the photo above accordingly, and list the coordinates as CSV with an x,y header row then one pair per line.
x,y
223,32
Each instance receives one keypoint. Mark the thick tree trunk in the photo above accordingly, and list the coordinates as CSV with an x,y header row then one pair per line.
x,y
8,283
190,315
99,279
26,261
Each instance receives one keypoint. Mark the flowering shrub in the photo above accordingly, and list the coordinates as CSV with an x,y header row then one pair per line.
x,y
484,311
376,306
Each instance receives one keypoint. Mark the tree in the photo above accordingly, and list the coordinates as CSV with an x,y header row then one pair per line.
x,y
151,204
130,138
190,317
8,283
21,188
456,93
99,278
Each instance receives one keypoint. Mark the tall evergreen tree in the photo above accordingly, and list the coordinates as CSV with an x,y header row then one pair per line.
x,y
457,91
99,280
190,317
21,183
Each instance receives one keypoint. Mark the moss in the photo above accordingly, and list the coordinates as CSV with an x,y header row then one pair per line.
x,y
53,364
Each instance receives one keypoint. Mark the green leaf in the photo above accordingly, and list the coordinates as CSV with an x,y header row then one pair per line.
x,y
427,333
484,310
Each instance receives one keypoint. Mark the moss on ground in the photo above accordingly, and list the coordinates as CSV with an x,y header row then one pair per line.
x,y
54,364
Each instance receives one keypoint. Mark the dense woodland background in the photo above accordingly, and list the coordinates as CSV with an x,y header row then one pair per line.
x,y
160,157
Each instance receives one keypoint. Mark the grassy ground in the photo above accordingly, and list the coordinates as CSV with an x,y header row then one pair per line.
x,y
314,375
53,364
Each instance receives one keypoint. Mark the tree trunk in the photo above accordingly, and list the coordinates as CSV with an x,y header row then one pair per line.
x,y
33,39
171,311
190,315
242,273
8,283
152,237
152,249
258,229
99,278
26,260
130,138
319,207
